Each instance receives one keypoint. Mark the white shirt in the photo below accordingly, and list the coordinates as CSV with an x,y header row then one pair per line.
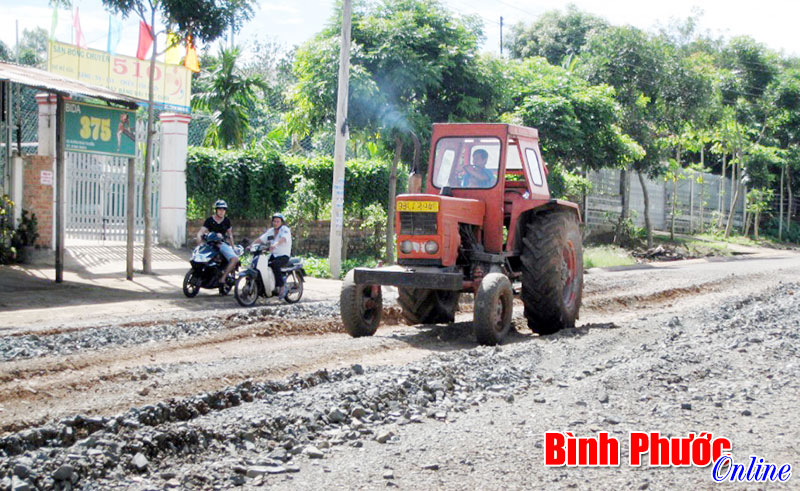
x,y
284,249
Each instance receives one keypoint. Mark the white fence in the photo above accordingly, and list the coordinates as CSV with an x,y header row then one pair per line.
x,y
698,204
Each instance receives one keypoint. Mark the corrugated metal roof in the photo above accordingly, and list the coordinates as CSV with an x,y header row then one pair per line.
x,y
40,79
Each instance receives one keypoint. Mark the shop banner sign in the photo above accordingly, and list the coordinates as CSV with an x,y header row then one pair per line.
x,y
123,74
99,129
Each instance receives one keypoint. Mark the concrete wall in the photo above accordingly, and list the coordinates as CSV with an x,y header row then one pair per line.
x,y
697,206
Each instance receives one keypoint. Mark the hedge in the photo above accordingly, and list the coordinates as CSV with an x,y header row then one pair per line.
x,y
256,183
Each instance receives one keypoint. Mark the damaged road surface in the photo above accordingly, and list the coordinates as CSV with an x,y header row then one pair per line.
x,y
279,397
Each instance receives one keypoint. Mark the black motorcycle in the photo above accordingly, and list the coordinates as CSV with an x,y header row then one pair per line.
x,y
207,265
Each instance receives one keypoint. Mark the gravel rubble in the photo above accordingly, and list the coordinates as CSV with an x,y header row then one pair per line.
x,y
731,367
114,335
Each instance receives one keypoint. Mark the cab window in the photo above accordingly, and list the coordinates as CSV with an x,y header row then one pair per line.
x,y
535,166
466,163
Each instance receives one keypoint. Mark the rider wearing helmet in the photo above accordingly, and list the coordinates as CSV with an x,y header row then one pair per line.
x,y
221,224
281,248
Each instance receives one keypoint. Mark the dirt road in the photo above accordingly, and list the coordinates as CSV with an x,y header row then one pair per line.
x,y
208,388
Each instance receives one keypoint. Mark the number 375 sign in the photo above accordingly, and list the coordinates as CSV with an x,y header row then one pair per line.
x,y
100,129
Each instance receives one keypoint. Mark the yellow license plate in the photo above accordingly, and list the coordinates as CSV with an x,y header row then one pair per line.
x,y
429,206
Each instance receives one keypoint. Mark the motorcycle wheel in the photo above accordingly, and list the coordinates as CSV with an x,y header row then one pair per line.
x,y
246,291
227,285
191,284
294,287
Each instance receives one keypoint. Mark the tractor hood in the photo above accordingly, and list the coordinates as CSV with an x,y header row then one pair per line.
x,y
428,227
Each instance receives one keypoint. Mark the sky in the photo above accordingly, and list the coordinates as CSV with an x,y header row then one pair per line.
x,y
772,22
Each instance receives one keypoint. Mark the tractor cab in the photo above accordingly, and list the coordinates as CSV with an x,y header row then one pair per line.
x,y
513,174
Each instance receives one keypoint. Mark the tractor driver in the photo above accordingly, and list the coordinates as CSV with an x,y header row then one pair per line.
x,y
477,175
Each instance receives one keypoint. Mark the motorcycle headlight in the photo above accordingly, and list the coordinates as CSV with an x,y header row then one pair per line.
x,y
431,247
406,247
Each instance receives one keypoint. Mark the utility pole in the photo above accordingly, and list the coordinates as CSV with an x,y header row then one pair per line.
x,y
337,196
501,35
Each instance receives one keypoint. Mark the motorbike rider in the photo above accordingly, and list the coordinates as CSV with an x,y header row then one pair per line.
x,y
221,224
281,248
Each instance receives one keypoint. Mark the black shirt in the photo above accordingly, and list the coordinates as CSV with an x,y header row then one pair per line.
x,y
221,228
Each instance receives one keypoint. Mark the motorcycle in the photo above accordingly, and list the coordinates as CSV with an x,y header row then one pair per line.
x,y
258,280
207,264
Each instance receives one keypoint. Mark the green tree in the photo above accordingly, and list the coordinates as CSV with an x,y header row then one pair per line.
x,y
228,94
33,47
555,35
412,63
273,63
205,21
577,121
660,90
627,59
5,52
759,200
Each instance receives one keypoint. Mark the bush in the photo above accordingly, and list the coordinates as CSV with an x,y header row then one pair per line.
x,y
790,234
253,182
7,250
257,182
566,185
319,267
27,231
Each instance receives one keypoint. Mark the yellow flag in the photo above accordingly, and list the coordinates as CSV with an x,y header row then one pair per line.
x,y
173,53
191,62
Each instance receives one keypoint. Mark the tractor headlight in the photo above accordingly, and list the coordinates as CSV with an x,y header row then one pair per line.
x,y
431,247
406,247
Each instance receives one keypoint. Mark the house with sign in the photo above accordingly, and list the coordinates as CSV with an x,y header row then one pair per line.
x,y
85,180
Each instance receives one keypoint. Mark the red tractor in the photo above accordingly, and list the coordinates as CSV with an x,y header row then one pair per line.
x,y
487,222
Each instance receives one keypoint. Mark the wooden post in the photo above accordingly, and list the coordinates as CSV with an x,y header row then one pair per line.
x,y
340,144
130,217
60,188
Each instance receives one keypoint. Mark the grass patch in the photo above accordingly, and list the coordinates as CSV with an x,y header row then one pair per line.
x,y
606,256
739,239
701,248
318,267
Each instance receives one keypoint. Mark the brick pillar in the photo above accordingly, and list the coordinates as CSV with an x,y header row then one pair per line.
x,y
39,195
172,194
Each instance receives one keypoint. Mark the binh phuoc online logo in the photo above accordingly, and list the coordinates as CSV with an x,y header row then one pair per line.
x,y
603,450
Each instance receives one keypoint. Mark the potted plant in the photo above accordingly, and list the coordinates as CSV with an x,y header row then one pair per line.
x,y
25,236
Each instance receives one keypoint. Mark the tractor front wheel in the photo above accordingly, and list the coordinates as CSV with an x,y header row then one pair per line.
x,y
362,307
494,303
552,272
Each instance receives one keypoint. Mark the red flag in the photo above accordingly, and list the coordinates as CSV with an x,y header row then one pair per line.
x,y
145,41
80,40
191,62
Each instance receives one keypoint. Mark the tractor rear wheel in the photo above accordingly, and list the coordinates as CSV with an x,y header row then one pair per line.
x,y
423,306
494,304
552,272
362,307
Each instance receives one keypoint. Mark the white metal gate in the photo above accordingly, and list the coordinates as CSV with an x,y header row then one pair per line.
x,y
97,188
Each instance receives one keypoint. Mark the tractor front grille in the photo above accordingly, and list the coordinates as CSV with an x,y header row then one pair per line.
x,y
417,223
